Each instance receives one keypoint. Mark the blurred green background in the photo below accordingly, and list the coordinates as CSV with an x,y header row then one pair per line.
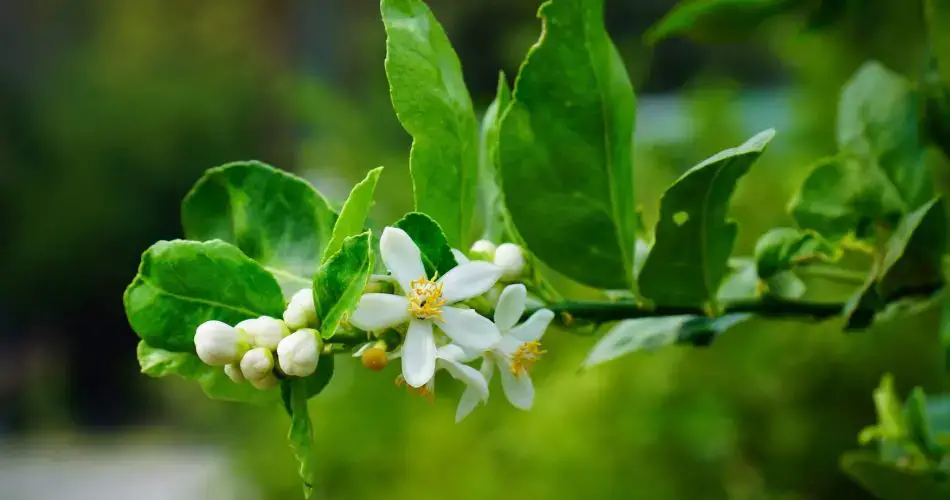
x,y
111,109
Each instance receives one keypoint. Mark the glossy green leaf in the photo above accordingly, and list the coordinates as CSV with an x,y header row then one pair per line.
x,y
274,217
434,106
783,248
702,330
300,437
891,482
214,382
352,220
716,20
564,149
694,237
317,381
880,172
495,212
919,430
912,264
636,335
340,281
182,284
428,236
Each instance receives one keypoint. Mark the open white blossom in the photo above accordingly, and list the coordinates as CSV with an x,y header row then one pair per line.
x,y
450,358
510,258
264,332
301,312
426,303
519,349
219,344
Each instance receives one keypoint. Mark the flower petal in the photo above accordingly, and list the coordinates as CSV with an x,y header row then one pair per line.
x,y
377,311
510,306
487,369
472,378
519,390
418,353
401,256
460,257
469,329
471,397
359,352
469,280
533,328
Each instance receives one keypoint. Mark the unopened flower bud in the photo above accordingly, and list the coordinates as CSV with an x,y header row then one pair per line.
x,y
268,382
218,344
483,250
301,312
299,353
257,364
375,358
264,332
510,259
233,372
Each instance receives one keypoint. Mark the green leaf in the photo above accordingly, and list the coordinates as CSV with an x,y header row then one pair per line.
x,y
782,248
496,215
881,171
340,281
317,381
274,217
353,216
945,329
182,284
565,149
938,18
891,482
300,437
919,430
890,422
213,381
694,238
702,330
716,20
428,236
912,264
434,106
636,335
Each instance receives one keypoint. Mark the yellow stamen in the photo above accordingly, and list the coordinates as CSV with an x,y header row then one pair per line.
x,y
525,356
424,391
425,299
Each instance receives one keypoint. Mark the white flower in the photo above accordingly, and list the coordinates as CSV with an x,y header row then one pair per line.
x,y
483,250
264,331
233,371
426,303
449,358
301,312
257,364
510,258
218,344
519,349
299,353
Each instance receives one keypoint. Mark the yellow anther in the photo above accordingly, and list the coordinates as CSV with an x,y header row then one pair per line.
x,y
525,356
425,299
425,391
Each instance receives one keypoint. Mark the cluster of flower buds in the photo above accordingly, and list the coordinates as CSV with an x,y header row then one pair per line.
x,y
508,256
247,350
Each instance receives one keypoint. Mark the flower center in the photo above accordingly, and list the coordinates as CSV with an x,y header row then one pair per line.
x,y
425,299
525,356
425,391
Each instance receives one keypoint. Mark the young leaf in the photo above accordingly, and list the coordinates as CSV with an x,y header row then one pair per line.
x,y
880,172
716,20
433,105
564,149
912,264
428,236
182,284
919,430
636,335
340,281
489,178
693,236
213,381
893,482
353,216
274,217
300,437
783,248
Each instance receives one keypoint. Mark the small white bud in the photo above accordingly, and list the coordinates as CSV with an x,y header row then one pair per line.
x,y
257,364
510,259
299,353
483,250
301,312
264,331
218,344
268,382
233,372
